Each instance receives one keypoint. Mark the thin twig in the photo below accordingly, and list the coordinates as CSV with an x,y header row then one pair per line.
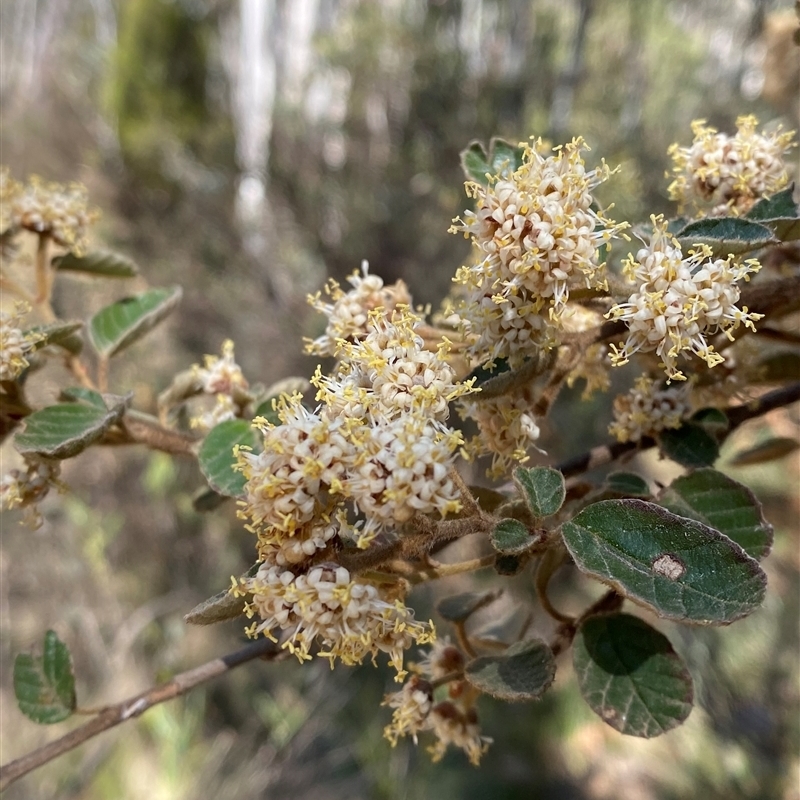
x,y
738,415
44,280
439,570
114,715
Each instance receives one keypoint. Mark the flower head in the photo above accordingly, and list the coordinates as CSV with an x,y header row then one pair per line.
x,y
347,618
721,174
349,312
411,705
679,301
14,344
537,237
454,726
646,410
221,375
60,212
508,429
26,489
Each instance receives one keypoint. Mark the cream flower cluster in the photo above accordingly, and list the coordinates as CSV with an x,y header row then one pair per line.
x,y
679,301
647,409
348,619
14,344
223,378
348,313
26,489
721,174
60,212
537,237
507,428
453,721
376,450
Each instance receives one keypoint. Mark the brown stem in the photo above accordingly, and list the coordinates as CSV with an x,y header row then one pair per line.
x,y
102,373
44,285
140,428
462,638
449,678
439,570
9,285
550,561
114,715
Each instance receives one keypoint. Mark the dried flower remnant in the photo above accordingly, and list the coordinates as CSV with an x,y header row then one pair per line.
x,y
721,174
27,489
51,209
349,312
537,237
646,410
454,726
411,705
14,344
679,301
347,618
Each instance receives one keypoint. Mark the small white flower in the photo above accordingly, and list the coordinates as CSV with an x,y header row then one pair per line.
x,y
646,410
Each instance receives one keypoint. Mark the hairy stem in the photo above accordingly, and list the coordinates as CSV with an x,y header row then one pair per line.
x,y
44,278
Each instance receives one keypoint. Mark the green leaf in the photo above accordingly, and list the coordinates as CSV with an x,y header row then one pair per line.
x,y
475,163
543,489
500,379
45,685
216,455
781,366
726,236
221,607
62,334
630,676
691,445
265,409
779,205
119,325
79,394
771,450
100,263
628,484
206,500
506,158
460,607
679,568
722,503
66,429
523,672
508,564
779,213
714,420
511,537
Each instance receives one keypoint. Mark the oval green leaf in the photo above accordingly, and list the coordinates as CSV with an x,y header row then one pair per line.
x,y
543,488
65,429
510,536
216,456
475,163
460,607
119,325
778,205
627,484
62,334
677,567
45,685
726,236
506,157
80,394
630,676
101,263
691,445
524,672
720,502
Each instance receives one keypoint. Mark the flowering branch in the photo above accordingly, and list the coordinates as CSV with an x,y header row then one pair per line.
x,y
112,716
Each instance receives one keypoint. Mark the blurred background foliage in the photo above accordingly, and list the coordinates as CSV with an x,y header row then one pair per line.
x,y
248,150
